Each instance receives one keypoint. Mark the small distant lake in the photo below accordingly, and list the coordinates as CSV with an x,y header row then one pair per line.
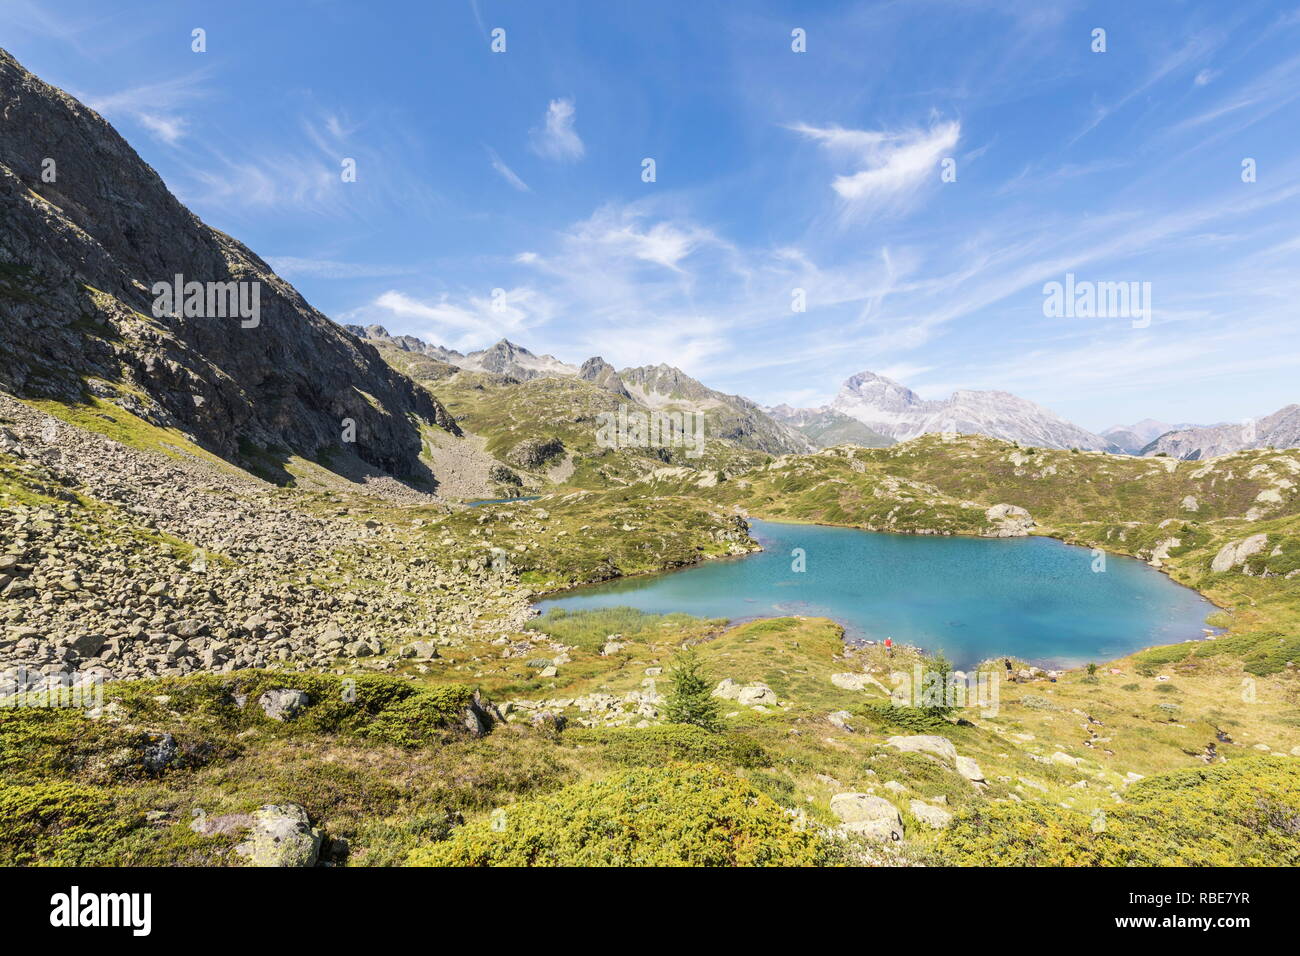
x,y
500,501
973,598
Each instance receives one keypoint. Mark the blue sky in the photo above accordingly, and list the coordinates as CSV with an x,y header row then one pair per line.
x,y
775,170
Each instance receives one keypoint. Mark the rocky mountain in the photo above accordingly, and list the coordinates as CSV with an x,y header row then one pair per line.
x,y
89,234
894,410
514,361
730,417
825,427
1279,430
1133,438
504,358
601,374
378,335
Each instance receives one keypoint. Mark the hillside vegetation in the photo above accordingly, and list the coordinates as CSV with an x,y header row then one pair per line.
x,y
343,712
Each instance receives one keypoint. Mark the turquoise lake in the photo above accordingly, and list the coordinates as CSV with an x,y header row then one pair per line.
x,y
972,598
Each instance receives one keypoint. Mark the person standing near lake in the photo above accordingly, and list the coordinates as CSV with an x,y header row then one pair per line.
x,y
889,646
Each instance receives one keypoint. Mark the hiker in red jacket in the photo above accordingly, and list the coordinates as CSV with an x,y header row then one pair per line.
x,y
889,646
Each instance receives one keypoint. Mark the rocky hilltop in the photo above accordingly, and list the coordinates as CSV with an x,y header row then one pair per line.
x,y
825,427
731,417
1279,430
88,228
896,411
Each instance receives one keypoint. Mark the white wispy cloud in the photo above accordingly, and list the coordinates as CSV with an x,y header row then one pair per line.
x,y
158,107
557,139
298,267
285,180
462,322
891,166
506,173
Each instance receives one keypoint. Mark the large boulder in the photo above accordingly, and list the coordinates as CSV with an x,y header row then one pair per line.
x,y
1008,521
855,681
925,744
727,689
969,769
930,815
282,703
1236,552
479,716
872,816
281,835
420,651
756,694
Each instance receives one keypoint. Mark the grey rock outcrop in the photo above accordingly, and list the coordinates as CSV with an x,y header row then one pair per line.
x,y
282,703
872,816
1008,521
924,743
603,375
1235,553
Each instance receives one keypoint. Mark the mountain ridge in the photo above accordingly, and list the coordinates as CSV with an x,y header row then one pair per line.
x,y
1281,429
894,410
85,242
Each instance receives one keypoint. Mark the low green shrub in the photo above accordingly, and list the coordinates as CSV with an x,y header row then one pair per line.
x,y
684,815
58,824
376,706
662,744
1245,813
913,719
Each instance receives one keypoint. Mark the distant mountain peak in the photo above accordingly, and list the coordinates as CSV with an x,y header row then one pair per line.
x,y
894,410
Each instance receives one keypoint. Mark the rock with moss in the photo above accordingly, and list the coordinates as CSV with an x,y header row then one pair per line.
x,y
281,835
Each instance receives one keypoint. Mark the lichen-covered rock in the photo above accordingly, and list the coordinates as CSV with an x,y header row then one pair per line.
x,y
282,703
872,816
281,835
1235,553
932,816
925,743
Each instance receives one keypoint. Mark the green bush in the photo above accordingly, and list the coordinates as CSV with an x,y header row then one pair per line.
x,y
58,824
377,706
684,815
1245,813
662,744
913,719
421,718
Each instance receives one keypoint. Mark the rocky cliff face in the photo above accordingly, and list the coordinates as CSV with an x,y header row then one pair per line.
x,y
894,410
601,374
86,230
1279,430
